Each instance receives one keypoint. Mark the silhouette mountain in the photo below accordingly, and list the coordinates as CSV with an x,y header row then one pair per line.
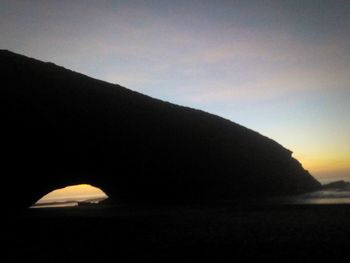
x,y
62,128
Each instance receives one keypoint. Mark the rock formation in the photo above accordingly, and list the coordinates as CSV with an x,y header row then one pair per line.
x,y
61,128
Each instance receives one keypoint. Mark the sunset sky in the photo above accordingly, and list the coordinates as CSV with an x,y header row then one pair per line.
x,y
76,192
281,68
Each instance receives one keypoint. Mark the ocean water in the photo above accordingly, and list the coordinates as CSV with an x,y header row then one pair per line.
x,y
69,202
55,205
327,197
333,196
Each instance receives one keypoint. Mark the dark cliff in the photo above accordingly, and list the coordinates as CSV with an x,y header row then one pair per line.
x,y
60,127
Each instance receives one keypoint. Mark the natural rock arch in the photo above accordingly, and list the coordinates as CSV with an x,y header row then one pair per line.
x,y
63,128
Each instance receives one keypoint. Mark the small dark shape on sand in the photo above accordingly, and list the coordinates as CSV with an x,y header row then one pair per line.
x,y
62,128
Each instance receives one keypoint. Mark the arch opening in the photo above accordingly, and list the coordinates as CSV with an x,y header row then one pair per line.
x,y
71,196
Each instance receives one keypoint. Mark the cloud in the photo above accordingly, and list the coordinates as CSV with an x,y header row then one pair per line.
x,y
140,47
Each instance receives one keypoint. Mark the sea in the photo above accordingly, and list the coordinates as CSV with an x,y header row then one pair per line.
x,y
327,197
69,202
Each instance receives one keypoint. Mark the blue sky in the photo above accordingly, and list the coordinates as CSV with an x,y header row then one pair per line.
x,y
281,68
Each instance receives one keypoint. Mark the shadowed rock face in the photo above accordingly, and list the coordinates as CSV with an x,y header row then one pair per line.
x,y
60,128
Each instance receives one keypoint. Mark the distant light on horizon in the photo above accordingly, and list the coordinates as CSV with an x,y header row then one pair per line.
x,y
70,195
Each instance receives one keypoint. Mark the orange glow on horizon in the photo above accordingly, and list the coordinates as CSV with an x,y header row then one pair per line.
x,y
73,193
326,165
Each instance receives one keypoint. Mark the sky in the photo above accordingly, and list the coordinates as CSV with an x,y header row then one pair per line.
x,y
281,68
73,193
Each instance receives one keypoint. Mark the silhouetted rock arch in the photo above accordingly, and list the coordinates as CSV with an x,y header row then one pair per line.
x,y
61,127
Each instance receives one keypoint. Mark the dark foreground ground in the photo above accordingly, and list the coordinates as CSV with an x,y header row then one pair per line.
x,y
214,233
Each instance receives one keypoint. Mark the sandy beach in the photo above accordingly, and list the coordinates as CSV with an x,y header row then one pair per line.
x,y
287,233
